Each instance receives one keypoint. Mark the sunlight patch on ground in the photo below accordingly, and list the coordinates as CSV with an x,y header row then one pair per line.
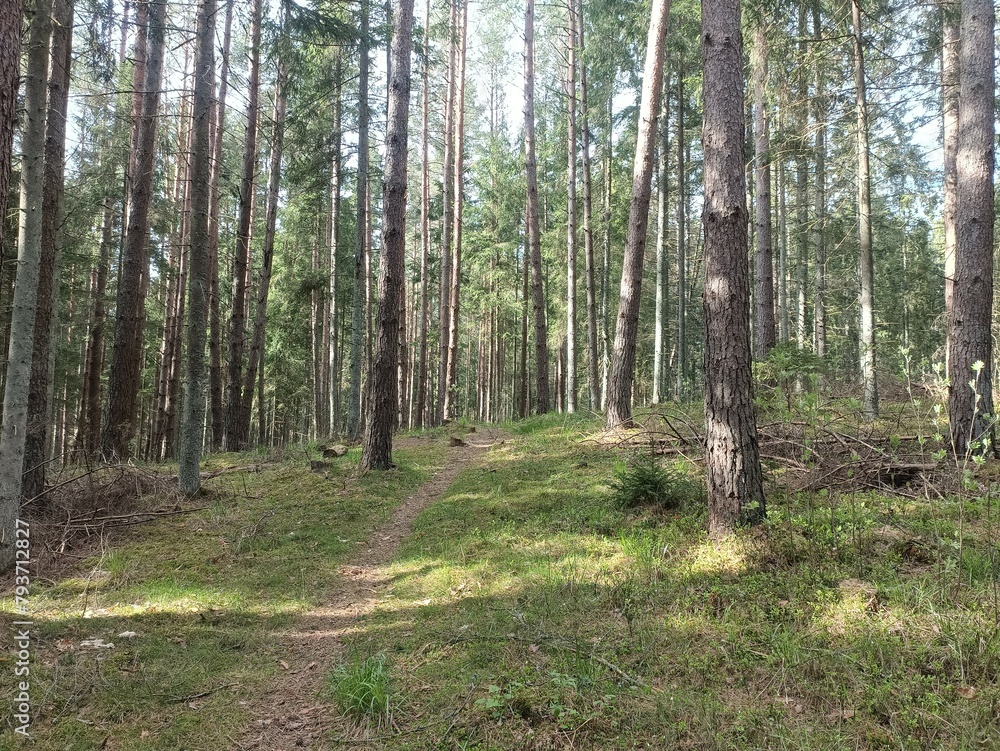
x,y
723,557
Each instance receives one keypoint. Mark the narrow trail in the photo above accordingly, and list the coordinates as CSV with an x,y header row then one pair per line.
x,y
291,716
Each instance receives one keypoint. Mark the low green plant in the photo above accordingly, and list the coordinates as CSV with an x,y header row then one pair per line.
x,y
361,689
644,481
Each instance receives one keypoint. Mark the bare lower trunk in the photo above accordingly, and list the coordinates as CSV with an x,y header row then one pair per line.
x,y
735,484
425,224
571,215
819,218
588,226
950,83
622,372
762,196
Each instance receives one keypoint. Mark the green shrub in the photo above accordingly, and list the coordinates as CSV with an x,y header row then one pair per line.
x,y
644,481
361,690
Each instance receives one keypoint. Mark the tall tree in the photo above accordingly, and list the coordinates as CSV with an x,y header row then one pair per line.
x,y
533,229
762,193
970,396
866,265
662,273
10,58
361,244
119,425
192,427
950,84
376,450
447,198
588,224
235,397
571,210
47,304
819,219
425,221
682,215
29,253
735,482
622,372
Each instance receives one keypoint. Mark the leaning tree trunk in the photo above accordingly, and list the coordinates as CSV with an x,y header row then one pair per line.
x,y
970,397
29,252
866,266
622,372
192,425
534,236
376,449
762,195
735,483
47,304
235,397
119,425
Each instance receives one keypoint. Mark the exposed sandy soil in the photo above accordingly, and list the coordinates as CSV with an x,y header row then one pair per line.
x,y
290,715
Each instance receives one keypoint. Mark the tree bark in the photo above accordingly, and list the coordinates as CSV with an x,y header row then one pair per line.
x,y
235,398
47,301
192,426
358,302
622,372
735,484
119,426
662,272
950,84
682,214
29,252
425,222
593,375
819,218
214,314
376,450
970,396
534,235
867,263
10,75
571,212
762,195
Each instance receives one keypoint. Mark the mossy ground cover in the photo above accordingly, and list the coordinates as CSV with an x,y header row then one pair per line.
x,y
205,595
529,610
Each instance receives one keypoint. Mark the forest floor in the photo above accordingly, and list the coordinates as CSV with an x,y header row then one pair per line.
x,y
506,598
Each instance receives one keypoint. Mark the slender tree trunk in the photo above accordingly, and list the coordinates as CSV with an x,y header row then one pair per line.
x,y
588,225
119,425
682,209
571,213
448,157
425,221
458,147
970,397
376,451
214,315
358,303
606,261
235,398
819,219
802,178
255,364
90,414
10,73
336,423
762,195
623,362
735,483
192,429
950,84
867,263
523,407
29,252
47,301
662,275
784,322
534,235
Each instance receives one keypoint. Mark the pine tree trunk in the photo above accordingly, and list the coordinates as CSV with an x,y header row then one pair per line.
x,y
622,372
735,483
571,213
682,214
523,408
376,451
47,301
214,314
448,157
192,424
762,195
606,260
425,222
784,322
819,218
593,375
29,252
119,425
866,265
10,74
950,83
235,398
358,302
970,397
89,425
336,423
458,156
255,364
534,235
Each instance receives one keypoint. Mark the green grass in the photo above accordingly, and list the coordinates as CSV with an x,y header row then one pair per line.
x,y
361,690
206,594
